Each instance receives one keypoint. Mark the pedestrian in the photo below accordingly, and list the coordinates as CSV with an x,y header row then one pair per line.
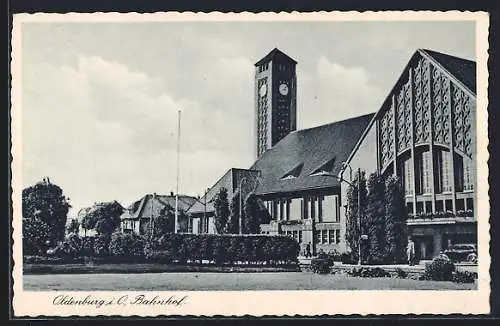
x,y
410,252
308,250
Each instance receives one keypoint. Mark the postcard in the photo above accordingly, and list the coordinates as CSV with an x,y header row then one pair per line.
x,y
250,163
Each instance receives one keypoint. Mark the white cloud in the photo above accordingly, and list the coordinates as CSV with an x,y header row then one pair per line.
x,y
335,92
114,134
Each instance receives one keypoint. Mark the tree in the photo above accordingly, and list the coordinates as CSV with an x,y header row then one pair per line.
x,y
395,221
233,223
36,233
255,215
164,223
221,206
74,226
375,219
44,205
104,218
353,223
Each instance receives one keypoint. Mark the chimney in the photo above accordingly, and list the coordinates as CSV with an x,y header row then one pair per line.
x,y
171,194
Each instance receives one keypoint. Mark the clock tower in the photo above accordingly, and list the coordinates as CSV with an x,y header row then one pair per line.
x,y
275,99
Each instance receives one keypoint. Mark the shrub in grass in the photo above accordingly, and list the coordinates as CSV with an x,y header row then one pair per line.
x,y
464,277
401,273
440,269
369,272
321,265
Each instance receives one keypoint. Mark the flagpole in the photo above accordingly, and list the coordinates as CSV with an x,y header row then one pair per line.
x,y
176,227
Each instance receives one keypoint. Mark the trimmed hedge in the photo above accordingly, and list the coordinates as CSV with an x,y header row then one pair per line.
x,y
223,249
176,248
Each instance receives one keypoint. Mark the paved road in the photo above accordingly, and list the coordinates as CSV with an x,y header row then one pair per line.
x,y
226,281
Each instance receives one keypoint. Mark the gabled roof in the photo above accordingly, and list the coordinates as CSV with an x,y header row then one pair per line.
x,y
275,53
462,69
324,146
143,207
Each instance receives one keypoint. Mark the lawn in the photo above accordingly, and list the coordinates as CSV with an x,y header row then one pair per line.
x,y
226,281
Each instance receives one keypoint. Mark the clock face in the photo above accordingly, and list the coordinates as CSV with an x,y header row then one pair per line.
x,y
283,89
263,90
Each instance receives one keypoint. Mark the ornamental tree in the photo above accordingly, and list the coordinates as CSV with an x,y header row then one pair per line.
x,y
354,214
222,212
375,219
233,223
395,221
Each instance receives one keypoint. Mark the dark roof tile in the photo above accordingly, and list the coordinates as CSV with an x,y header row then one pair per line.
x,y
327,145
464,70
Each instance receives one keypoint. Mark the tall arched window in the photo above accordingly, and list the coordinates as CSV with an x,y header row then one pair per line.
x,y
424,172
468,174
463,173
443,182
406,174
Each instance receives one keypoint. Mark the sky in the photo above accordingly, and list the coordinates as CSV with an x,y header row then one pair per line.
x,y
100,100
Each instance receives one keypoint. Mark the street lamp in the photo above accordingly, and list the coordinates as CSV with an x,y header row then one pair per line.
x,y
240,228
360,236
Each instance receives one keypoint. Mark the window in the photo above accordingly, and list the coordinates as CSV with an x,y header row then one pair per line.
x,y
296,235
409,208
337,236
470,204
320,209
300,236
449,205
294,209
420,207
460,203
468,175
324,236
428,207
444,175
407,175
439,205
331,236
318,236
424,171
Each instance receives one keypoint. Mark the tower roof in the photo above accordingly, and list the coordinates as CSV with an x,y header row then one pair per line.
x,y
275,53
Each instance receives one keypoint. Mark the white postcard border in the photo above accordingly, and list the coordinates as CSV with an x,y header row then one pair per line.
x,y
259,303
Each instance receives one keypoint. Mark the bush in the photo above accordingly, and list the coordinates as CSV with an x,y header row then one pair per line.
x,y
101,245
127,245
348,258
401,273
440,269
464,277
369,272
321,265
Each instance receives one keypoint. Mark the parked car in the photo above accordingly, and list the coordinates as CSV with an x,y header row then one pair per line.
x,y
462,252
